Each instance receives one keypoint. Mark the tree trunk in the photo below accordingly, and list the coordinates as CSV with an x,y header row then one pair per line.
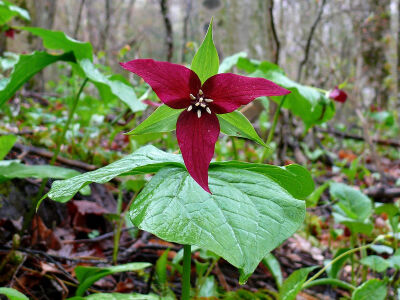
x,y
168,29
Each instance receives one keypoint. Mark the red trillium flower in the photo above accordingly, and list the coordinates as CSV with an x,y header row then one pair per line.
x,y
10,33
197,128
338,95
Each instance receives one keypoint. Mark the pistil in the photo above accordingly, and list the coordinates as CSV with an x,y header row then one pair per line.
x,y
201,102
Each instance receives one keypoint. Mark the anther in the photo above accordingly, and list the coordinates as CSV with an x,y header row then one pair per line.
x,y
190,108
209,100
199,113
192,97
208,110
197,103
201,99
200,92
203,105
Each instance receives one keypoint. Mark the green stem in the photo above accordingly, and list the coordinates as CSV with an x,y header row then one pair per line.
x,y
351,251
29,216
234,149
186,272
118,228
331,281
66,126
272,130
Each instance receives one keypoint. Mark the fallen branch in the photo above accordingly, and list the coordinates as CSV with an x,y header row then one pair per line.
x,y
44,153
345,135
382,193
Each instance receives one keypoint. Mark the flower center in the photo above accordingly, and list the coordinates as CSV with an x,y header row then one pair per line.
x,y
199,103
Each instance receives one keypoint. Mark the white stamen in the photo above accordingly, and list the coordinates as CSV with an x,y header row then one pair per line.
x,y
199,113
208,110
190,108
197,103
192,97
209,100
201,99
203,105
200,92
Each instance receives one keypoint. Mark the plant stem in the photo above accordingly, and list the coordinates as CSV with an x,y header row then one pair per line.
x,y
351,251
272,129
66,126
331,281
234,149
29,216
118,228
186,272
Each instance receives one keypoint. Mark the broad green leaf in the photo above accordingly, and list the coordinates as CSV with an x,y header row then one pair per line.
x,y
163,119
293,284
12,294
112,85
27,66
274,267
58,40
229,62
394,260
236,124
209,289
83,52
8,11
6,144
89,275
145,160
206,62
355,226
306,102
372,289
313,199
376,263
246,217
352,202
294,178
18,170
118,296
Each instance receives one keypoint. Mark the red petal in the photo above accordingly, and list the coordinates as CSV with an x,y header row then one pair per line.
x,y
171,82
196,139
338,95
230,91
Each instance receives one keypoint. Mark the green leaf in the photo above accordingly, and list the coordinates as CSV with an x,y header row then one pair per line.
x,y
118,296
6,144
83,52
376,263
236,124
313,199
294,178
161,268
306,102
89,275
372,289
206,62
229,62
245,218
18,170
293,284
334,270
163,119
352,202
112,85
274,267
8,11
58,40
12,294
145,160
27,66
